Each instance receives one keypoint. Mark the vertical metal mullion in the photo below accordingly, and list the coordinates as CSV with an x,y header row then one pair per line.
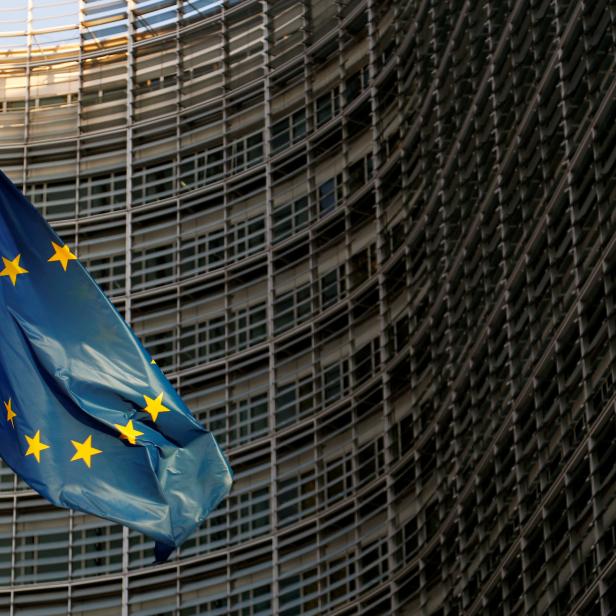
x,y
579,277
381,258
24,173
71,525
348,238
227,162
570,150
178,241
229,570
267,153
313,278
13,544
401,30
226,228
80,81
130,68
402,24
501,230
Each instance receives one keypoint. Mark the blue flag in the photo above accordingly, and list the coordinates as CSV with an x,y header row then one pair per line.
x,y
88,420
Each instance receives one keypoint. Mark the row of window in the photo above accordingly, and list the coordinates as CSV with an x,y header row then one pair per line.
x,y
206,338
107,192
360,568
41,543
293,128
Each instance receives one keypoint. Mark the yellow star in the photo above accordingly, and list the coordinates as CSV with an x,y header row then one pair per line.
x,y
62,254
35,446
12,269
153,362
85,451
10,413
154,406
128,432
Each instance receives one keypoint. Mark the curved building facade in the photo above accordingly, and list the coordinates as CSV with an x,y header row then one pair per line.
x,y
373,245
214,166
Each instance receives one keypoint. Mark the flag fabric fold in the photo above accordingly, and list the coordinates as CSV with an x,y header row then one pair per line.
x,y
88,420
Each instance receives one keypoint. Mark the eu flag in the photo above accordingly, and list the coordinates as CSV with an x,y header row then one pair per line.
x,y
88,420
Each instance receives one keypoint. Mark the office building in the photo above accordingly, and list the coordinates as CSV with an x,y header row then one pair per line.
x,y
373,245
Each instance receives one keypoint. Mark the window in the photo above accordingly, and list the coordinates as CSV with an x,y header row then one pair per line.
x,y
288,131
97,547
216,337
338,478
247,419
327,196
149,85
399,333
248,514
41,549
284,311
341,578
247,237
329,193
357,83
293,401
113,92
246,152
214,605
366,361
214,167
202,253
290,218
215,247
292,308
250,602
153,266
237,155
53,101
394,238
360,173
53,199
326,107
374,563
335,381
332,287
296,497
153,183
204,341
299,594
370,460
202,168
102,193
254,149
15,105
247,327
363,265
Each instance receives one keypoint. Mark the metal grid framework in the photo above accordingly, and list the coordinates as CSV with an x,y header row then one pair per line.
x,y
213,166
372,244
